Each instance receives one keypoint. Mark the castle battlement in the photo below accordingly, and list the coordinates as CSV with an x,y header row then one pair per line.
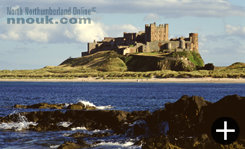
x,y
153,39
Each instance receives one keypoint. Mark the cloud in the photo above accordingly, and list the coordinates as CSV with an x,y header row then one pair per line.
x,y
235,30
85,32
221,49
117,30
54,33
151,17
166,8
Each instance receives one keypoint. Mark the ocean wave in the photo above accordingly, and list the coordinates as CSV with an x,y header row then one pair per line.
x,y
78,128
54,146
87,103
86,131
64,124
127,144
21,124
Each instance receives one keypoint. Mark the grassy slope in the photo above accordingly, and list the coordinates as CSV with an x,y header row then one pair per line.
x,y
194,57
111,65
101,61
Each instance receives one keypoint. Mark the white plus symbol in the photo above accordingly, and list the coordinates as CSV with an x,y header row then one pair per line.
x,y
225,130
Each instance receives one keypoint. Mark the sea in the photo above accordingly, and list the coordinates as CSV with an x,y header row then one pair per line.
x,y
116,96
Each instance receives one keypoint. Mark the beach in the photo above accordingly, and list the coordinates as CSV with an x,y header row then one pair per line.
x,y
153,80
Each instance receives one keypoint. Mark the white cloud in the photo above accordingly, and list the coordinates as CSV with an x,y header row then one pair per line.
x,y
222,49
86,32
117,30
235,30
151,17
50,33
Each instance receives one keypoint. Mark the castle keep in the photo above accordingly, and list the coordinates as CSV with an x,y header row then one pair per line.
x,y
153,39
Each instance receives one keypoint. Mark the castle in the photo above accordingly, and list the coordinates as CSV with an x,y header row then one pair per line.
x,y
153,39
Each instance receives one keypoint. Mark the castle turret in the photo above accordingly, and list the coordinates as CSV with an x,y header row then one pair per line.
x,y
194,39
156,33
182,43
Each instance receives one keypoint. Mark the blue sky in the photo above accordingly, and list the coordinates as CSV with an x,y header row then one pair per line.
x,y
220,24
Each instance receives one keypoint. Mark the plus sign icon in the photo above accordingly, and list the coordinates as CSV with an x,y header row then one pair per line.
x,y
225,130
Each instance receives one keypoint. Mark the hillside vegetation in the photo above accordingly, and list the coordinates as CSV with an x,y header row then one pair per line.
x,y
111,61
101,61
110,65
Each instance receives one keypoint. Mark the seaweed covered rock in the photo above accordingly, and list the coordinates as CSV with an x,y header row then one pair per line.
x,y
41,106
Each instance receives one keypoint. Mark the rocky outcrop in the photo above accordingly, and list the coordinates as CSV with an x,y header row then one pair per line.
x,y
158,142
71,145
80,106
209,66
152,63
77,106
185,114
185,123
229,106
41,106
190,120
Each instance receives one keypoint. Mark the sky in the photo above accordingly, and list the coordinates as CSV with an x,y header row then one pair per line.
x,y
219,23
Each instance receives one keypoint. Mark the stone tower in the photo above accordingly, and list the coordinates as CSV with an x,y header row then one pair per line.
x,y
156,33
194,40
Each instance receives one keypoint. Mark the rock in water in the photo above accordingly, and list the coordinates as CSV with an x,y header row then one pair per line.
x,y
72,145
183,115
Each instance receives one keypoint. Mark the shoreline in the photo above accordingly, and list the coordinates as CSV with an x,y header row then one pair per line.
x,y
150,80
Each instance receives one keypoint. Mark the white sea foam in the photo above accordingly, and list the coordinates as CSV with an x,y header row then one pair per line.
x,y
86,131
66,134
21,124
128,144
64,124
66,105
54,146
104,107
138,122
79,128
87,103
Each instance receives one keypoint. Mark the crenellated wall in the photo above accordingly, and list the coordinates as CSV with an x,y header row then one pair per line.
x,y
153,39
156,33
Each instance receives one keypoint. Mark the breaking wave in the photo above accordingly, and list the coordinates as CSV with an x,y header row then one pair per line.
x,y
21,124
87,103
64,124
117,145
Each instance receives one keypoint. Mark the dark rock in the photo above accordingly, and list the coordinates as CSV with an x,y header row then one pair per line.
x,y
80,106
41,106
77,106
72,145
229,106
159,142
189,120
138,115
209,66
138,128
20,106
184,115
84,135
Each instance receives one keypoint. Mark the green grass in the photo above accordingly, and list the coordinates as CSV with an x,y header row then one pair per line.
x,y
194,57
110,65
150,54
100,61
60,72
